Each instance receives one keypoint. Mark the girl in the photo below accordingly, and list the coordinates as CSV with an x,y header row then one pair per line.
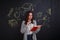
x,y
27,25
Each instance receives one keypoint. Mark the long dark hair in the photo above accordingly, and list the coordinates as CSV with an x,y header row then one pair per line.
x,y
27,14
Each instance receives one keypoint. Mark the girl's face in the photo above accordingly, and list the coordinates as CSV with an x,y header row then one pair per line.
x,y
30,16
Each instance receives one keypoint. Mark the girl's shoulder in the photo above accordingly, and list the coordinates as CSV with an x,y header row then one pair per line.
x,y
23,21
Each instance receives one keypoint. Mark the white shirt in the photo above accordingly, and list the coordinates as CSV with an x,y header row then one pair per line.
x,y
29,27
26,28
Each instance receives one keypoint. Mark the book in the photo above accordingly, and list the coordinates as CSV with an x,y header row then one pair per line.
x,y
34,28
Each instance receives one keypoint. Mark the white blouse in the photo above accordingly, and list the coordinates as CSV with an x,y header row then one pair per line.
x,y
25,29
29,27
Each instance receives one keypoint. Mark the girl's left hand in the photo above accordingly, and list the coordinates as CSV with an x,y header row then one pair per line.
x,y
39,26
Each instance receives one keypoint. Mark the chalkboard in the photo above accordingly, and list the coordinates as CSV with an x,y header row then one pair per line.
x,y
17,15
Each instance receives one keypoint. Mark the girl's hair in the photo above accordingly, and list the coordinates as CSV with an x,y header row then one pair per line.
x,y
27,14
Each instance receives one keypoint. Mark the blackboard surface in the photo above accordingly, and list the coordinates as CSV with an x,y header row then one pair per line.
x,y
45,12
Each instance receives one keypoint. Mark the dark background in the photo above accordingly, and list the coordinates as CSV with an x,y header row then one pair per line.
x,y
7,33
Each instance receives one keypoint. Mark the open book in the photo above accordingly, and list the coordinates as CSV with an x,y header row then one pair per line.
x,y
34,29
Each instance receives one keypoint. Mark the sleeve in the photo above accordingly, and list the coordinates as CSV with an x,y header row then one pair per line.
x,y
35,23
23,28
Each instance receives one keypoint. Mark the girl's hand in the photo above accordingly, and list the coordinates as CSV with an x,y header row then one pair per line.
x,y
39,26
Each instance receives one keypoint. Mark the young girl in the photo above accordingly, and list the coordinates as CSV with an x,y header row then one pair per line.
x,y
27,25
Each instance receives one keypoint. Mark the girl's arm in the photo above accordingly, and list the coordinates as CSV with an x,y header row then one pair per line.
x,y
23,28
39,27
